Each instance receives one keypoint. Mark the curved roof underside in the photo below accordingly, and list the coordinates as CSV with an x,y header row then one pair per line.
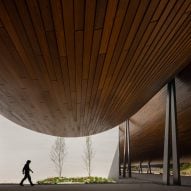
x,y
73,68
147,125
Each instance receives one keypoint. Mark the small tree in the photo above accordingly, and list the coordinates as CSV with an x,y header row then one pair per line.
x,y
57,154
88,155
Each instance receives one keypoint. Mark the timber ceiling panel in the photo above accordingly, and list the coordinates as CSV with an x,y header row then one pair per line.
x,y
79,67
147,125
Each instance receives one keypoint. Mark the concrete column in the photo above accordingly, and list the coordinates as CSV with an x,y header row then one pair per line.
x,y
171,129
166,154
140,168
149,168
175,152
119,155
125,152
128,149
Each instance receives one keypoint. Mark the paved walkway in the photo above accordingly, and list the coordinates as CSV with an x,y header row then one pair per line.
x,y
139,182
157,178
96,187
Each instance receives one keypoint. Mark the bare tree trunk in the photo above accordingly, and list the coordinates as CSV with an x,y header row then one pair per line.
x,y
57,154
88,155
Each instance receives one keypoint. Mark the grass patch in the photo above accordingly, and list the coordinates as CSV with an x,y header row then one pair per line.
x,y
73,180
185,169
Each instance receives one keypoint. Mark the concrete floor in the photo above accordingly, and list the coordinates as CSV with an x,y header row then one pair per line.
x,y
96,187
185,180
141,182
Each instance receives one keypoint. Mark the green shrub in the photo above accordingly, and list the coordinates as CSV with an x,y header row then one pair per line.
x,y
85,180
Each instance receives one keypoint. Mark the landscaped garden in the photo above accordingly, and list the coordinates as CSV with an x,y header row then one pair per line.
x,y
185,169
73,180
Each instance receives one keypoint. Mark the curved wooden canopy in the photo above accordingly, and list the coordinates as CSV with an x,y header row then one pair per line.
x,y
147,125
76,67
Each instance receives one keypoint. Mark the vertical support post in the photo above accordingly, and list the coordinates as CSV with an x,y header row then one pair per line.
x,y
175,153
125,153
149,168
171,128
128,149
166,155
119,155
140,168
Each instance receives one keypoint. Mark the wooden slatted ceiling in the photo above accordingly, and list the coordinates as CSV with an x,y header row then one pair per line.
x,y
79,67
147,125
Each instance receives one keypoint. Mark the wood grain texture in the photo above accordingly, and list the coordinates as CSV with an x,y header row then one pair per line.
x,y
76,67
147,125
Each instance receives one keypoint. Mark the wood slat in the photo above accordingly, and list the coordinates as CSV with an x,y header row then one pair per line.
x,y
109,18
147,60
100,14
149,123
165,40
93,61
58,26
137,20
76,67
40,32
14,36
162,57
88,33
79,6
27,23
116,30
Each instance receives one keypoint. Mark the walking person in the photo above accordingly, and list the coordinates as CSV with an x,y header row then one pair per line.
x,y
26,172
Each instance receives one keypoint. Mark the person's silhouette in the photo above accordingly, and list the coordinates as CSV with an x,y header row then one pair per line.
x,y
26,172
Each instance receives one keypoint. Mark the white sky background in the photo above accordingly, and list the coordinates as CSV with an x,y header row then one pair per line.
x,y
18,144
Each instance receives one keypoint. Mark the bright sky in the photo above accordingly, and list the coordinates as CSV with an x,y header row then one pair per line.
x,y
18,144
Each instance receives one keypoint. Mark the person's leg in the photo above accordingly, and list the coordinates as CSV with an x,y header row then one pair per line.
x,y
29,178
21,183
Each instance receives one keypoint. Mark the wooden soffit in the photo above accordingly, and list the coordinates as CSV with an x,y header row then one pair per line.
x,y
76,67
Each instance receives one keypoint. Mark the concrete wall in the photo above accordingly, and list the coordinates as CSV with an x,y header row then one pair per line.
x,y
114,169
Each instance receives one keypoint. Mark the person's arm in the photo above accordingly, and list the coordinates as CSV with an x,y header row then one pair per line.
x,y
31,170
24,170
